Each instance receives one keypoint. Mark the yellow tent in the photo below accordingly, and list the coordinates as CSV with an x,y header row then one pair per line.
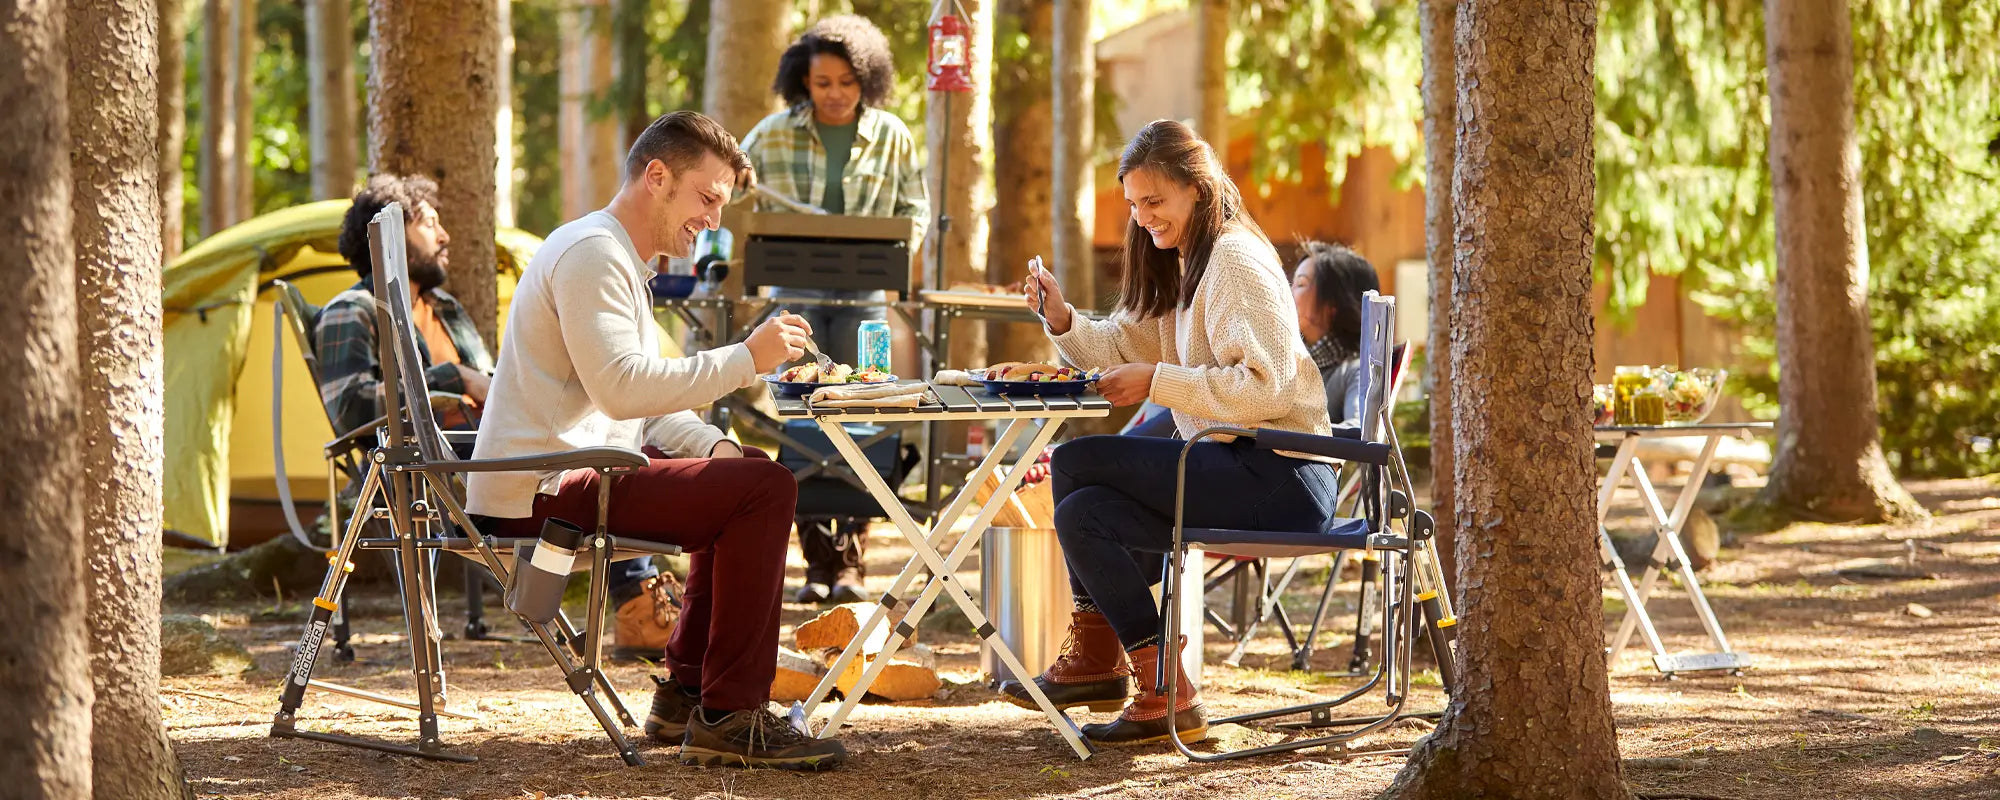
x,y
217,297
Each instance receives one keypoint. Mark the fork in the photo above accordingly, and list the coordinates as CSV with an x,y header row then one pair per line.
x,y
826,365
1041,294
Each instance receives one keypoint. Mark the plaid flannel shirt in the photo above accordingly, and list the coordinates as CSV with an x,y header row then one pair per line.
x,y
350,375
883,177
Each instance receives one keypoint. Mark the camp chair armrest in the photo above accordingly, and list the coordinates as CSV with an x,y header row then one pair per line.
x,y
361,438
582,458
1375,453
459,437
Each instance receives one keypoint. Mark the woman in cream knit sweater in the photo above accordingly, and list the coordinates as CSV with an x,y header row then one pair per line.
x,y
1204,326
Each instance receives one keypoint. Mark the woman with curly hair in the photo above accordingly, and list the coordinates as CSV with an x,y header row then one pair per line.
x,y
834,147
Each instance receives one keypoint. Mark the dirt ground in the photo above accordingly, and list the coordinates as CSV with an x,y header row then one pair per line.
x,y
1864,687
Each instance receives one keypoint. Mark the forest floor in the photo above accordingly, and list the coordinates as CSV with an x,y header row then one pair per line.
x,y
1863,687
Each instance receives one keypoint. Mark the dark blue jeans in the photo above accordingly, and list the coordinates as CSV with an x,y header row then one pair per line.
x,y
1115,511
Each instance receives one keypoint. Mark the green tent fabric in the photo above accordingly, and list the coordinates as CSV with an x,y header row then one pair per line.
x,y
211,296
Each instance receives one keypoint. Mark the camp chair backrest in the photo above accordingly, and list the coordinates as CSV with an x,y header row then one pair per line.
x,y
1378,336
301,318
407,395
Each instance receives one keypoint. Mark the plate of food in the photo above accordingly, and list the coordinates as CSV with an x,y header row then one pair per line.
x,y
805,378
979,294
1034,378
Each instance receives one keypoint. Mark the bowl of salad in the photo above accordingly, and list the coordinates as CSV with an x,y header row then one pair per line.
x,y
1691,393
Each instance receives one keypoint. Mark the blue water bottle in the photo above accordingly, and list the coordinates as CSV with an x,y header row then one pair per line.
x,y
871,345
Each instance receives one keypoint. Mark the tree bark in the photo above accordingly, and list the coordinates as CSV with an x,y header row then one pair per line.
x,y
114,121
591,129
45,656
1829,463
432,98
958,132
219,153
173,124
330,77
630,54
1532,716
1440,132
503,118
1024,154
1074,75
745,38
1211,57
245,53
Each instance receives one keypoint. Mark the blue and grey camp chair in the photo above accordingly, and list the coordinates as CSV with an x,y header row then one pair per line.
x,y
1415,609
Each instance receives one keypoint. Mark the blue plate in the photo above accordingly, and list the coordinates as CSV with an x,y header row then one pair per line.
x,y
803,388
1036,387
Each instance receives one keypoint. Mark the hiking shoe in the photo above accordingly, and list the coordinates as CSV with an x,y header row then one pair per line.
x,y
673,703
646,622
756,738
847,587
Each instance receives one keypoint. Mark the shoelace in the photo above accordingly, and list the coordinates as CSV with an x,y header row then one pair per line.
x,y
766,729
666,592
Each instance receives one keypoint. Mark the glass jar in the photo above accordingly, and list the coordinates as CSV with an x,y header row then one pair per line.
x,y
1626,381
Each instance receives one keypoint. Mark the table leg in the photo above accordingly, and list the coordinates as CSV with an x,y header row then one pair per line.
x,y
941,526
1670,541
1635,604
946,582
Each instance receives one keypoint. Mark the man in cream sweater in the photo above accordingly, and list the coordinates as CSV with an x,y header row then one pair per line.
x,y
579,367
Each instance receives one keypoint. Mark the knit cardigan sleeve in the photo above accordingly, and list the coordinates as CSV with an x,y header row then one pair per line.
x,y
1119,339
1246,317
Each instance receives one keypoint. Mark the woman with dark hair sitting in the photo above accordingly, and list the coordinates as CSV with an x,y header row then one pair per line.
x,y
1327,286
1203,327
835,148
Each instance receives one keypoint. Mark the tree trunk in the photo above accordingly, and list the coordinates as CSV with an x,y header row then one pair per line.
x,y
745,38
173,124
503,118
958,138
45,656
1211,58
245,53
330,75
1075,185
219,154
1440,133
1829,463
591,130
1024,150
1534,717
114,121
630,54
431,103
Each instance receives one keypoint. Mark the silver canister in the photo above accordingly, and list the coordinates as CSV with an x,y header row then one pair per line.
x,y
1024,586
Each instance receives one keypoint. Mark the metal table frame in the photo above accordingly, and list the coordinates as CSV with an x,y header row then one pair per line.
x,y
1668,551
1021,415
935,345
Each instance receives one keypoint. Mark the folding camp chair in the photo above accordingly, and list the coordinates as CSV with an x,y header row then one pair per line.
x,y
408,482
343,456
1256,573
1415,608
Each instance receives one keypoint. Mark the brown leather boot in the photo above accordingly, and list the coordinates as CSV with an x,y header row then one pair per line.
x,y
1091,671
646,622
1145,720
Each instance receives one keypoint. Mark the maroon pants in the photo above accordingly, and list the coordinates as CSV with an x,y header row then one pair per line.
x,y
734,518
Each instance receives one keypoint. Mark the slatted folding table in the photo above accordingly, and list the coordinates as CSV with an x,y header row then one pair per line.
x,y
1034,418
1668,552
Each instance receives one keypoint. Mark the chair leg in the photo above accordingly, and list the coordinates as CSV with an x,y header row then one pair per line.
x,y
1302,650
1371,569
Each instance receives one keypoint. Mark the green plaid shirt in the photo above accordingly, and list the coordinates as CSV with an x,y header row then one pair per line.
x,y
349,373
883,177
